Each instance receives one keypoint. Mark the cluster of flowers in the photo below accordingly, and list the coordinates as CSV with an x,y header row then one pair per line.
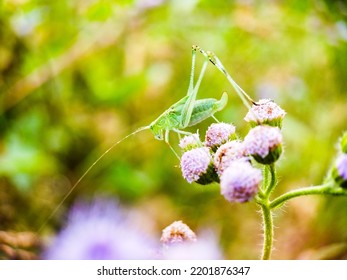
x,y
225,159
102,231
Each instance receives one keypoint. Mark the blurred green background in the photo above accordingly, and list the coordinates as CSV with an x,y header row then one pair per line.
x,y
76,76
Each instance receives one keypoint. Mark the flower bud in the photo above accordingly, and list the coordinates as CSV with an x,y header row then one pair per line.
x,y
206,247
343,143
340,171
227,153
197,166
177,232
190,142
267,112
264,143
240,181
219,133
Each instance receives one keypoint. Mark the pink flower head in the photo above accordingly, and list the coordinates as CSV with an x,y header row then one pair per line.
x,y
177,232
195,166
206,247
240,181
219,133
265,111
227,153
264,143
190,142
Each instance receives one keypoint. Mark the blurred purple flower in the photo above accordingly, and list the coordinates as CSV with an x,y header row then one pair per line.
x,y
341,165
99,231
177,232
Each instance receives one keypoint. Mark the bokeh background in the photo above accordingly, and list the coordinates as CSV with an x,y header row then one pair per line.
x,y
76,76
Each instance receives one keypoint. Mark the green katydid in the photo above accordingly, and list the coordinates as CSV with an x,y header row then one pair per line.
x,y
187,112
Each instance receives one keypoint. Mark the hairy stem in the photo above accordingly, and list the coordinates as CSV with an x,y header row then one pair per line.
x,y
267,206
265,178
268,231
321,189
273,179
263,200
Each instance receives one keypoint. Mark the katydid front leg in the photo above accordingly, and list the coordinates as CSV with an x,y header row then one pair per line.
x,y
192,91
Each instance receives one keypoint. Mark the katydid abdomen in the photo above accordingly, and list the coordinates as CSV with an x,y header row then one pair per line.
x,y
173,118
206,108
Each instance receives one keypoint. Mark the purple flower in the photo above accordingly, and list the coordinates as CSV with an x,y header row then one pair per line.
x,y
340,171
341,165
264,143
265,112
99,231
240,181
196,166
227,153
177,232
219,133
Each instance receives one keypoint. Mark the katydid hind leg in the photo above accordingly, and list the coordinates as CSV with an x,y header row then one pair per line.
x,y
246,99
186,114
242,94
192,71
189,105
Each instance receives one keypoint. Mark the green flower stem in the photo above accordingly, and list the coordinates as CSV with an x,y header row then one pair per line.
x,y
268,231
265,178
273,179
321,189
262,199
267,206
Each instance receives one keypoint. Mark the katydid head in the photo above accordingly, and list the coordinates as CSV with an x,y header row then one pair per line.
x,y
157,131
